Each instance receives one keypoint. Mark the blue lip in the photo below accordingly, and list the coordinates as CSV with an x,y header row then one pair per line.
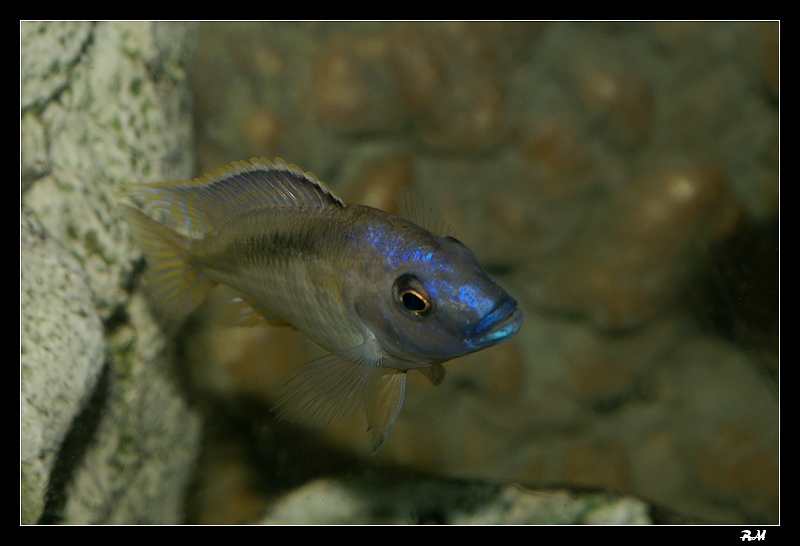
x,y
500,323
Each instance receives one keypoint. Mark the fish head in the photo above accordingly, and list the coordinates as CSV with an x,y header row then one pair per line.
x,y
437,303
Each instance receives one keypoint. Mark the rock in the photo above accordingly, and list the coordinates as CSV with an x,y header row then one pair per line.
x,y
378,180
104,427
469,117
378,501
626,268
261,130
62,353
352,90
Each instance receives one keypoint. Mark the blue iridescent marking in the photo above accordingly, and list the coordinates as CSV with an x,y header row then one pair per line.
x,y
419,255
395,249
500,333
474,298
182,205
501,322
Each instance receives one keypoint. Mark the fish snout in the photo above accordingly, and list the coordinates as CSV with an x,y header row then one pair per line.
x,y
499,324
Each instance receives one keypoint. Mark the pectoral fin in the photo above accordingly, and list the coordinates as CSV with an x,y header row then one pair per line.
x,y
323,391
337,386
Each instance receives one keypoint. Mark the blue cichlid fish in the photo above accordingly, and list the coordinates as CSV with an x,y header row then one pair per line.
x,y
380,293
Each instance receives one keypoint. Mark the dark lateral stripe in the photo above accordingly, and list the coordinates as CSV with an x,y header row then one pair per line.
x,y
277,246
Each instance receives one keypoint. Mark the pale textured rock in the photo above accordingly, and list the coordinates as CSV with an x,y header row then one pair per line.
x,y
61,355
117,121
379,501
48,53
138,466
102,104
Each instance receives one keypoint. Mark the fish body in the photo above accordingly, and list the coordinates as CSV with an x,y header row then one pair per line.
x,y
380,293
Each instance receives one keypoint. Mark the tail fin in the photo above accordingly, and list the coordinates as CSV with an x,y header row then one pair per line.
x,y
176,288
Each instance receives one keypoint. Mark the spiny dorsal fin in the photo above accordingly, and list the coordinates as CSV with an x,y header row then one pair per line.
x,y
200,205
286,183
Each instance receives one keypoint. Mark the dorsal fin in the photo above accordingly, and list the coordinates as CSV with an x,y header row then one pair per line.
x,y
201,204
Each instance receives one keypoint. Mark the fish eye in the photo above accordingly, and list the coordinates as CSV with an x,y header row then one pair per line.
x,y
411,297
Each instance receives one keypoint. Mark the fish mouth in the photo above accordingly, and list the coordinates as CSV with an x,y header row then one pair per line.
x,y
500,323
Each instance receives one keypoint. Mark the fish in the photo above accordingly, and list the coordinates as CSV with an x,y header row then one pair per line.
x,y
380,293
